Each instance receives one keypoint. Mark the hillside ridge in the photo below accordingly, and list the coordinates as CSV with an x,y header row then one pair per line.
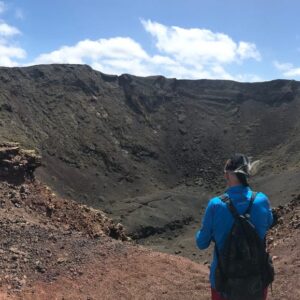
x,y
150,151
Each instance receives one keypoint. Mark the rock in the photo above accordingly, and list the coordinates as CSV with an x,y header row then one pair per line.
x,y
181,117
183,130
61,260
16,163
101,199
40,269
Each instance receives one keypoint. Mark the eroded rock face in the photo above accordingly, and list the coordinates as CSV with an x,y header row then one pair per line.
x,y
117,137
20,190
43,235
120,142
17,164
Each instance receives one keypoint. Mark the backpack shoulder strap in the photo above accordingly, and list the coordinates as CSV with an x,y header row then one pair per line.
x,y
232,208
253,196
230,205
224,197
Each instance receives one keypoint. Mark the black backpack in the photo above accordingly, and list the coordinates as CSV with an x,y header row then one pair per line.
x,y
244,267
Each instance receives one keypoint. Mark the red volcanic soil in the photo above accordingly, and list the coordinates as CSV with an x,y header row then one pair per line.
x,y
70,255
126,272
284,244
53,248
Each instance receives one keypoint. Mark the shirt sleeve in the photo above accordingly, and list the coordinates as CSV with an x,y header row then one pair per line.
x,y
270,214
205,234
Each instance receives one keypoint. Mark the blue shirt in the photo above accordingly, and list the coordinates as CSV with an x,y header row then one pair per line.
x,y
218,220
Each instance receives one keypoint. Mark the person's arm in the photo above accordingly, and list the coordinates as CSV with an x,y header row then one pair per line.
x,y
264,210
204,235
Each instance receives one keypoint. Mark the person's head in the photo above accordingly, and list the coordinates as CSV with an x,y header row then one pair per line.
x,y
237,170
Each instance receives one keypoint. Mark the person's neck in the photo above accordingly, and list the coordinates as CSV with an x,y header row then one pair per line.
x,y
233,184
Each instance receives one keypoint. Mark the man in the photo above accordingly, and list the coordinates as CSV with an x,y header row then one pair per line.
x,y
218,219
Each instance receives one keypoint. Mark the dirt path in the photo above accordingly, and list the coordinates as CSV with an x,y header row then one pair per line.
x,y
133,274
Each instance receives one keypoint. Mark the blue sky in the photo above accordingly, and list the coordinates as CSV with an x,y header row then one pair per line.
x,y
230,39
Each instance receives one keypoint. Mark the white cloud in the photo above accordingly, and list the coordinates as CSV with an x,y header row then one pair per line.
x,y
114,48
295,72
248,50
196,45
288,70
114,55
12,51
182,53
9,52
7,30
282,66
124,55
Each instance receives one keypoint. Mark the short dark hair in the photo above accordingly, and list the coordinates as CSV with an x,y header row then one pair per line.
x,y
242,179
239,164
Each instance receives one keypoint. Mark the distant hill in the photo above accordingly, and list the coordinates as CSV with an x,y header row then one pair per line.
x,y
150,151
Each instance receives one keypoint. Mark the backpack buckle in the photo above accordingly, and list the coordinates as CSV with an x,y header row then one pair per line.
x,y
247,216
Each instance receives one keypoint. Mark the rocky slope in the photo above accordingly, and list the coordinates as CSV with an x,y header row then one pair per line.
x,y
150,151
284,244
53,248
